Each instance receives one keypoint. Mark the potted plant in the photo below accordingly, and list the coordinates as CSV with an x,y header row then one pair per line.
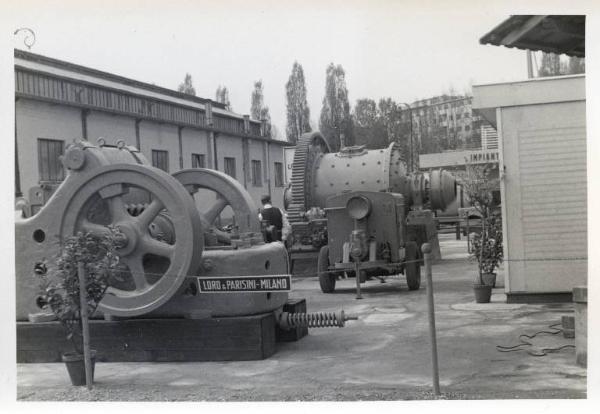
x,y
60,289
486,246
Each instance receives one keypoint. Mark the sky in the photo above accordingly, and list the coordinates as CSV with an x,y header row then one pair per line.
x,y
405,50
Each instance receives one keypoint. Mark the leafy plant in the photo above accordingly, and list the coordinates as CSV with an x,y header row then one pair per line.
x,y
480,187
60,286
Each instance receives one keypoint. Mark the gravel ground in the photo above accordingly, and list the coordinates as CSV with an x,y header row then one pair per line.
x,y
106,393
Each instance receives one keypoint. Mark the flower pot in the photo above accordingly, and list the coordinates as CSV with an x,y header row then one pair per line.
x,y
483,293
76,366
489,279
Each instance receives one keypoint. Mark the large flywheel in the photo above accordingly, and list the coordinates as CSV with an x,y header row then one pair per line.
x,y
152,267
228,192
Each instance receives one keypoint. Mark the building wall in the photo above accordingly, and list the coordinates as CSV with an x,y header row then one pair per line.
x,y
41,120
193,141
155,136
229,146
37,119
276,155
110,127
256,153
544,196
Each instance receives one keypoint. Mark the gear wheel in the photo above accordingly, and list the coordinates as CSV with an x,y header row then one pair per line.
x,y
308,149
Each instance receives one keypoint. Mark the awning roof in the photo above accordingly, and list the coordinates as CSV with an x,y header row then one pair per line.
x,y
551,34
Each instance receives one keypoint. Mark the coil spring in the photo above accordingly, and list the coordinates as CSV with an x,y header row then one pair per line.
x,y
314,320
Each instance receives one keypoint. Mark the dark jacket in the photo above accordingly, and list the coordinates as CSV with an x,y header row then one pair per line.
x,y
273,217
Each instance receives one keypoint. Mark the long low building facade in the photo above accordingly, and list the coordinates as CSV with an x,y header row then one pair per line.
x,y
57,102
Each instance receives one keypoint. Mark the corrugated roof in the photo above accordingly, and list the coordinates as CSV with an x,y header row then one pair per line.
x,y
561,34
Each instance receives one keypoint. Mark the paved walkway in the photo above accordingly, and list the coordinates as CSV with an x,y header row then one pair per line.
x,y
385,355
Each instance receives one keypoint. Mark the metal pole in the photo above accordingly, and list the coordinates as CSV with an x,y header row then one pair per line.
x,y
357,274
426,249
84,323
529,65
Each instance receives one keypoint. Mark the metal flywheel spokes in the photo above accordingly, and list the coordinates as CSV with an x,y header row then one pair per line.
x,y
229,192
158,247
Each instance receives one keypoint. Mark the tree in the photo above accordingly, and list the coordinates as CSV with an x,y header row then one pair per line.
x,y
186,86
550,65
479,186
367,125
396,122
576,65
258,109
298,113
335,118
222,96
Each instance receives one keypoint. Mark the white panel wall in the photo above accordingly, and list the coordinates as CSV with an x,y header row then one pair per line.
x,y
545,196
110,127
41,120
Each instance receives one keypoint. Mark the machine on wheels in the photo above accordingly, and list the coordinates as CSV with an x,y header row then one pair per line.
x,y
362,211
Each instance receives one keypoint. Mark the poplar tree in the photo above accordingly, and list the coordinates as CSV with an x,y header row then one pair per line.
x,y
222,96
258,109
187,86
335,118
298,113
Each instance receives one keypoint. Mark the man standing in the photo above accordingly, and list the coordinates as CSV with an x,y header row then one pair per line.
x,y
272,219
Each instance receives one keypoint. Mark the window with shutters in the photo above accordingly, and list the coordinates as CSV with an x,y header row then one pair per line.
x,y
278,174
256,173
229,167
49,164
198,161
160,159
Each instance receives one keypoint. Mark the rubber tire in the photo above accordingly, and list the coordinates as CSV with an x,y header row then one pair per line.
x,y
412,269
326,278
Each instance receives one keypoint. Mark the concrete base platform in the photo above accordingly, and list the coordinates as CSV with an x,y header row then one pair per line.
x,y
154,340
164,340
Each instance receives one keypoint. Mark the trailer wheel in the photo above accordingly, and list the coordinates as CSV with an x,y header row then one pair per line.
x,y
326,278
412,269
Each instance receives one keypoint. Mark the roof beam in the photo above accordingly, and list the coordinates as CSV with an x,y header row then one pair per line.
x,y
517,34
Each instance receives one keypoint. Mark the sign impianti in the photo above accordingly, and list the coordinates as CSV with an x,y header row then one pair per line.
x,y
267,283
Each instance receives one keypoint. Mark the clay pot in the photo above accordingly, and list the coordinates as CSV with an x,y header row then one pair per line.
x,y
76,366
483,293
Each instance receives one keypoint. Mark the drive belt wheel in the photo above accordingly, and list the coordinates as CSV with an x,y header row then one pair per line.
x,y
152,268
229,193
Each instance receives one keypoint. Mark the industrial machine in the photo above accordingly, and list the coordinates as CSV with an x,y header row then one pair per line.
x,y
169,239
363,212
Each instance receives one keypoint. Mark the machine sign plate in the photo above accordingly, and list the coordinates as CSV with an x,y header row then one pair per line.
x,y
266,283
